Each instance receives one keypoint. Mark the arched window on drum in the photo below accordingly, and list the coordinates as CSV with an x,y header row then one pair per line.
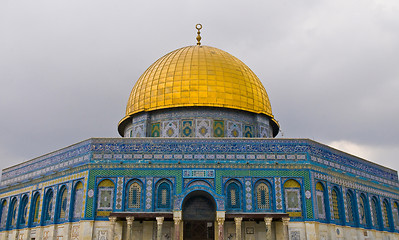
x,y
292,194
337,205
163,196
233,196
23,211
263,193
134,195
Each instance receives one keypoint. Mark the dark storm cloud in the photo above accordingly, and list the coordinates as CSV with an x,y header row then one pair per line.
x,y
330,67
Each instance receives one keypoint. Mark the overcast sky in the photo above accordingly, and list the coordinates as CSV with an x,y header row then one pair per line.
x,y
331,68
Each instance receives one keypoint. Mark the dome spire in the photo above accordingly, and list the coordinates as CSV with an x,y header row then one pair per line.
x,y
198,27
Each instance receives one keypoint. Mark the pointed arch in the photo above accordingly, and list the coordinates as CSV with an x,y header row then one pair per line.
x,y
77,196
337,205
163,196
375,213
386,215
364,216
292,195
23,211
3,214
34,213
106,189
321,202
134,195
263,195
12,213
48,206
233,195
350,207
395,215
62,204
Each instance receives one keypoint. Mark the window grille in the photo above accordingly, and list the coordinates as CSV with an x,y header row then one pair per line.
x,y
336,206
374,212
233,196
134,195
63,203
164,195
78,201
262,192
385,210
349,205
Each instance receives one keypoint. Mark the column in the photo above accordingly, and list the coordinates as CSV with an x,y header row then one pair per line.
x,y
129,221
268,222
220,220
159,230
177,220
112,228
285,228
238,221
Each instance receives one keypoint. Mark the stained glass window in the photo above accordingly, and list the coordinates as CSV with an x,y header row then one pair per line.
x,y
163,195
24,210
78,201
292,191
262,196
336,205
321,212
134,195
233,196
106,195
349,206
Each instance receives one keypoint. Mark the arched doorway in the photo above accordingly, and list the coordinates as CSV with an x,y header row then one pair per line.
x,y
199,210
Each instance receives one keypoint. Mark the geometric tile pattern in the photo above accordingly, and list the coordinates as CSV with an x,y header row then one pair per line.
x,y
218,128
187,128
119,193
248,194
234,129
148,200
170,128
279,199
203,128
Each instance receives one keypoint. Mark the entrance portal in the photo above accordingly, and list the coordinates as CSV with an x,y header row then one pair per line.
x,y
199,212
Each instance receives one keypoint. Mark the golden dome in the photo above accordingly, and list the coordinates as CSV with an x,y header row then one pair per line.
x,y
198,76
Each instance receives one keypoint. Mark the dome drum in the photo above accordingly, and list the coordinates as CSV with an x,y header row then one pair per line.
x,y
201,122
